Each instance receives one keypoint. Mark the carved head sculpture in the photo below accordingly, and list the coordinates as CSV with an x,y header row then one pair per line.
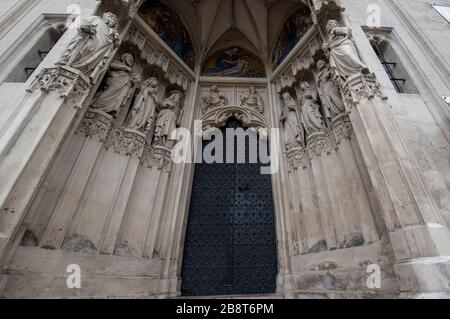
x,y
151,83
110,19
175,97
321,64
305,85
128,59
288,100
331,24
214,89
252,90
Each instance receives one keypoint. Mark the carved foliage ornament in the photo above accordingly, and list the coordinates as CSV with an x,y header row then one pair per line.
x,y
158,157
95,124
70,83
126,142
358,87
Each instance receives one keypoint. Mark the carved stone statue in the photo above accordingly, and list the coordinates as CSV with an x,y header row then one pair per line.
x,y
143,113
252,100
120,80
311,118
90,50
293,131
329,91
169,117
213,99
343,55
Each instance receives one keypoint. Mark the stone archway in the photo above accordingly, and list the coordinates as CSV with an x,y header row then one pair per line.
x,y
230,245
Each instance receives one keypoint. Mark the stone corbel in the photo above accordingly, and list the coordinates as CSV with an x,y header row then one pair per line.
x,y
158,157
70,83
320,144
342,128
126,142
95,124
298,158
358,87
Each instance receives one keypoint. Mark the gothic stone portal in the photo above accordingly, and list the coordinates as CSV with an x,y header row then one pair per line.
x,y
230,244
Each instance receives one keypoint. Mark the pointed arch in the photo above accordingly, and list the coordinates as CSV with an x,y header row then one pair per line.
x,y
295,27
170,28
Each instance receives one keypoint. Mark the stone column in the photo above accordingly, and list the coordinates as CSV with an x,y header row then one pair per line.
x,y
420,241
94,128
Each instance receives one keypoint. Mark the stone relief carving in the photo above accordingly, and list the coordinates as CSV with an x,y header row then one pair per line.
x,y
320,144
143,112
343,56
360,87
329,91
169,117
311,117
213,99
342,128
293,130
252,100
90,50
119,84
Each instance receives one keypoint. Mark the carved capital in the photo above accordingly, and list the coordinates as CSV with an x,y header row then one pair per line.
x,y
320,144
359,87
68,82
95,124
297,158
126,142
157,157
342,128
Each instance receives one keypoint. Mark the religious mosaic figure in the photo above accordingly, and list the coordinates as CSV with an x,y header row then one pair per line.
x,y
252,100
234,62
329,91
311,117
293,131
143,113
119,83
343,56
170,28
169,117
91,49
293,31
213,99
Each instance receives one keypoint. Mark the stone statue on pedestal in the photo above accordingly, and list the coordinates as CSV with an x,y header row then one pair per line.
x,y
311,118
120,81
252,100
90,50
344,58
293,131
143,113
328,90
170,113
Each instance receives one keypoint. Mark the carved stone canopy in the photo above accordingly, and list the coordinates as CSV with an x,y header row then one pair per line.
x,y
249,117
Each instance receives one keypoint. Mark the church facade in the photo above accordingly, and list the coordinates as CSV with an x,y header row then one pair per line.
x,y
106,106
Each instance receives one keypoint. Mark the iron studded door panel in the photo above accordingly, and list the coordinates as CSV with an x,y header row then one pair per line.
x,y
230,245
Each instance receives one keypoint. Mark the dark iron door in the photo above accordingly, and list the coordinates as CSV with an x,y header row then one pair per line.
x,y
230,245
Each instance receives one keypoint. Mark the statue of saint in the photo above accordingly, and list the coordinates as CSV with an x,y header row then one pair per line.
x,y
293,132
329,91
120,80
311,118
252,100
90,50
170,114
213,99
143,113
343,56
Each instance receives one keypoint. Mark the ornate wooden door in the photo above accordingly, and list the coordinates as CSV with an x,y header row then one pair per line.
x,y
230,245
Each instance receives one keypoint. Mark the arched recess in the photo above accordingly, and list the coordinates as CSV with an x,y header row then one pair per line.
x,y
292,31
230,245
169,26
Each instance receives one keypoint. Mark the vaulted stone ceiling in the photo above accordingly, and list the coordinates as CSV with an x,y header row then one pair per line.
x,y
252,24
